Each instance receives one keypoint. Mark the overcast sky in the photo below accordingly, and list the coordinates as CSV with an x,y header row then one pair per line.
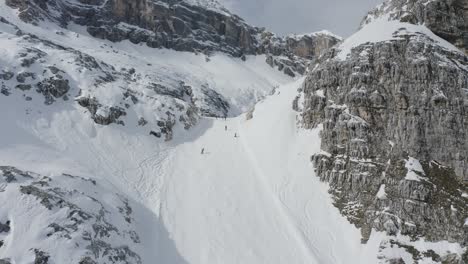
x,y
342,17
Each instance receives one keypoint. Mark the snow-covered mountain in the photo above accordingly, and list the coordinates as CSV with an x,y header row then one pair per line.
x,y
169,131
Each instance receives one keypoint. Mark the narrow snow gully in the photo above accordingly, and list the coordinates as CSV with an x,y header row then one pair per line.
x,y
252,196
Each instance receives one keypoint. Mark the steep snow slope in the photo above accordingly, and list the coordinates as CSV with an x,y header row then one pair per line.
x,y
62,138
64,125
253,198
250,199
139,69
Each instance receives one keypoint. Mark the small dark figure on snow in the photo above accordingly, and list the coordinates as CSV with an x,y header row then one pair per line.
x,y
225,128
235,135
203,151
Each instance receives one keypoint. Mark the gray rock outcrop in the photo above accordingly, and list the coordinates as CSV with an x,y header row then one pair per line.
x,y
292,54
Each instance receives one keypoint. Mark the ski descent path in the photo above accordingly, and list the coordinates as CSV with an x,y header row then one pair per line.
x,y
251,199
254,198
279,204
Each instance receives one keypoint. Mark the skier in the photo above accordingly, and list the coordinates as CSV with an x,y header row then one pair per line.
x,y
203,151
225,128
235,135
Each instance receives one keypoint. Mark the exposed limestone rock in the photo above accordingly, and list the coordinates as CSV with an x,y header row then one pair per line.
x,y
21,78
418,103
4,228
214,105
168,24
292,54
23,87
6,75
394,138
307,46
41,257
142,121
53,88
100,114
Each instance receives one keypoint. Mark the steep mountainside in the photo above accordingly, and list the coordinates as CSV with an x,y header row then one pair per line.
x,y
393,102
198,26
161,131
172,94
87,90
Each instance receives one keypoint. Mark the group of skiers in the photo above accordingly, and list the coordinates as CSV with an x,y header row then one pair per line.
x,y
225,129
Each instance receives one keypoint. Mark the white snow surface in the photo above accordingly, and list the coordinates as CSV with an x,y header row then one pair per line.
x,y
250,199
213,5
316,33
414,168
265,204
383,29
381,194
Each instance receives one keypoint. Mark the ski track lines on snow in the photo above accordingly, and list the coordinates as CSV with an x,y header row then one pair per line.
x,y
287,157
254,199
279,204
227,206
227,209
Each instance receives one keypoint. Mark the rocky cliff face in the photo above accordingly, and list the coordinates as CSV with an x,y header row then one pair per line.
x,y
292,54
178,25
160,24
395,124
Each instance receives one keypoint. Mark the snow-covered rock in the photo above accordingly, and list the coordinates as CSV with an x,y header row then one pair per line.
x,y
446,18
401,81
65,219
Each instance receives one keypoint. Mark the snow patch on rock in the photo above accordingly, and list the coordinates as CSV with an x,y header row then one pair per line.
x,y
383,29
415,170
